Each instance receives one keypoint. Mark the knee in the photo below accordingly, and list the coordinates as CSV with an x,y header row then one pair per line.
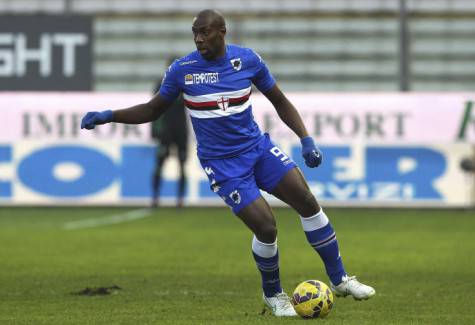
x,y
310,205
266,232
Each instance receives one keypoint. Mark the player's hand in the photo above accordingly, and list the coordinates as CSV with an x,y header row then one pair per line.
x,y
310,152
91,119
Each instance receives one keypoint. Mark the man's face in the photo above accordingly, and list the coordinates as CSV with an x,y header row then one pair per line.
x,y
209,39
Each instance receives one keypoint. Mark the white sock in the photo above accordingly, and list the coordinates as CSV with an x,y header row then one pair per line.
x,y
317,221
263,249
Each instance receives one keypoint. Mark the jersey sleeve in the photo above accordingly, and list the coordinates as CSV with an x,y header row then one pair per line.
x,y
263,79
170,87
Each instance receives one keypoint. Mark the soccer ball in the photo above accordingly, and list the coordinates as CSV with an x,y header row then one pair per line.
x,y
312,299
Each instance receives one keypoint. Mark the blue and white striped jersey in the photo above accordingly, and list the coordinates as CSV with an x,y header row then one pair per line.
x,y
216,94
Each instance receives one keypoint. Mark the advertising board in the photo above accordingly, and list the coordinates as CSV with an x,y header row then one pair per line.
x,y
45,159
45,52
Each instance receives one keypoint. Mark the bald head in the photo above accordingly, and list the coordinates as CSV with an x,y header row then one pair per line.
x,y
209,29
212,17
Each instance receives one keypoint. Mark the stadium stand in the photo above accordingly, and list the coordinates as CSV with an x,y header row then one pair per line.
x,y
340,45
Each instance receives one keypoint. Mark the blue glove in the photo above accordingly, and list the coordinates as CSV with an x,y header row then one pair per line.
x,y
310,152
91,119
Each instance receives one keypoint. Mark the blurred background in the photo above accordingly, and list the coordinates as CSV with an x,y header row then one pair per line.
x,y
310,45
386,87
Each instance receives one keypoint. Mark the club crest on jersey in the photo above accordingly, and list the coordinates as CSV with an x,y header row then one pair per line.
x,y
235,196
236,63
223,103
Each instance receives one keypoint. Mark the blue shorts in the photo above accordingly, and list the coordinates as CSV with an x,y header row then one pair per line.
x,y
237,180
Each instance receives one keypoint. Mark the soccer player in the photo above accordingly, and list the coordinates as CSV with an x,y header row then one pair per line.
x,y
239,160
170,130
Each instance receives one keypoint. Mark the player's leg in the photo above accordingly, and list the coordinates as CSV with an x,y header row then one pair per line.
x,y
233,180
244,198
277,174
182,155
162,155
258,217
181,184
293,190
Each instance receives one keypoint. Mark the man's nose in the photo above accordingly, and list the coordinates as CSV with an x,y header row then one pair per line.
x,y
198,38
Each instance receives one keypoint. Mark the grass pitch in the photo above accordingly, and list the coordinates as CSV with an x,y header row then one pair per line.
x,y
194,266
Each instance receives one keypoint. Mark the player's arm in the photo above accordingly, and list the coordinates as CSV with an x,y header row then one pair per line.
x,y
141,113
286,111
291,117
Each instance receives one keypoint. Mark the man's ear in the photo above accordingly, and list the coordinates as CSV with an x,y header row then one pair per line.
x,y
223,30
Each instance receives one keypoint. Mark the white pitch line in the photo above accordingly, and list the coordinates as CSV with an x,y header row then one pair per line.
x,y
105,221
